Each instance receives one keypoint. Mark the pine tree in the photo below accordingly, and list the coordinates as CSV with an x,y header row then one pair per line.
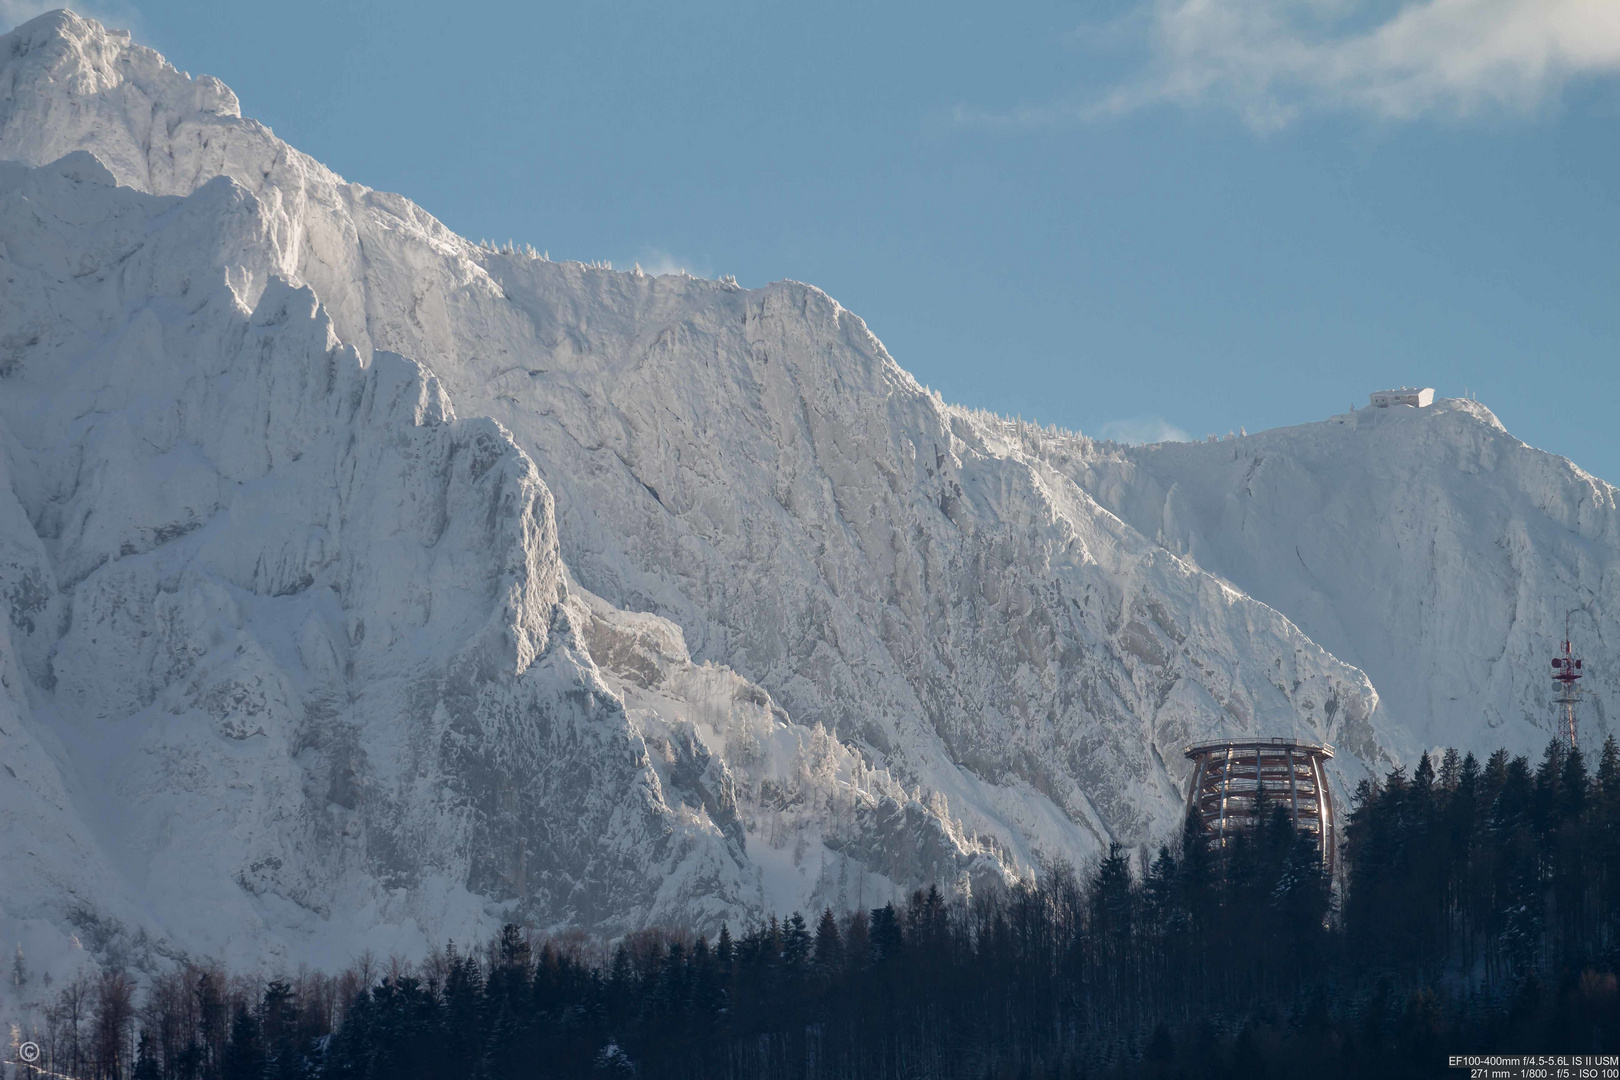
x,y
1604,836
796,946
1609,767
1301,901
1450,771
724,950
1465,813
146,1062
1549,794
280,1030
1572,787
213,1024
1423,778
463,1006
709,1006
508,1006
1112,911
621,989
886,943
244,1054
829,949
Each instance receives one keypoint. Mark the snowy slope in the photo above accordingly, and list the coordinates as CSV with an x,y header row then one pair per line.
x,y
1428,547
369,586
295,669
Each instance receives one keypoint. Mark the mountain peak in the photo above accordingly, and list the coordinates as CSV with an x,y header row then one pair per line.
x,y
78,51
76,85
1476,409
298,480
61,23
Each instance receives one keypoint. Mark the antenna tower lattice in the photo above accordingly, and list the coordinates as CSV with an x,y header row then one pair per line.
x,y
1567,670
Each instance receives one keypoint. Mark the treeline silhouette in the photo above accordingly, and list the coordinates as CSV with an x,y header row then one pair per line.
x,y
1480,912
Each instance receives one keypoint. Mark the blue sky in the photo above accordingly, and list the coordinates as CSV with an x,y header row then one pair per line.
x,y
1126,216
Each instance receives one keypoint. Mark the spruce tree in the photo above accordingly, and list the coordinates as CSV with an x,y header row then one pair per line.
x,y
463,1006
244,1054
796,947
285,1060
146,1062
886,942
829,949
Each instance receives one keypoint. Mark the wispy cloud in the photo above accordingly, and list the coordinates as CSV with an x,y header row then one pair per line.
x,y
1394,59
658,262
115,14
1143,429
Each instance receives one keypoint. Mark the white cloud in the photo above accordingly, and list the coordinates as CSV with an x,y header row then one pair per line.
x,y
1393,59
1272,58
1143,429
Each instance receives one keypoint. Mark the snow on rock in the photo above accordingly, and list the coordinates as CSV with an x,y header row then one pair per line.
x,y
754,466
625,599
292,667
1428,547
823,826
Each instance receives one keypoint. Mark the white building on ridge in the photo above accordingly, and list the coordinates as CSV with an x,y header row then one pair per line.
x,y
1406,395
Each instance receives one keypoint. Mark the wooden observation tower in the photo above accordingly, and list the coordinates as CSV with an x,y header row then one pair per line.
x,y
1227,776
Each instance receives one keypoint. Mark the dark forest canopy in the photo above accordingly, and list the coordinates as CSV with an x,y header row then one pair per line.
x,y
1479,912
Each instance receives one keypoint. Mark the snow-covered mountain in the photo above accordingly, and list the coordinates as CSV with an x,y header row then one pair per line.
x,y
368,586
1430,548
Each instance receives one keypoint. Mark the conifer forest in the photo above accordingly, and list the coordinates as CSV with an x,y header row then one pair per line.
x,y
1478,911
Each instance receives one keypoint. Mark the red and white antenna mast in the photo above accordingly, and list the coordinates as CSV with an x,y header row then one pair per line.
x,y
1567,671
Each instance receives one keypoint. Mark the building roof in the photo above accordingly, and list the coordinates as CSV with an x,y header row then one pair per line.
x,y
1324,749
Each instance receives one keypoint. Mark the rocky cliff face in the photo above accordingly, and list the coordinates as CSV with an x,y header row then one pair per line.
x,y
294,665
1430,548
367,586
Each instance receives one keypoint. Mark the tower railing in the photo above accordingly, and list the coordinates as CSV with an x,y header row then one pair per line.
x,y
1227,778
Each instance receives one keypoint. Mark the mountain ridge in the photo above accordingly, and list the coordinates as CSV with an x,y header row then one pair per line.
x,y
1459,476
779,628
